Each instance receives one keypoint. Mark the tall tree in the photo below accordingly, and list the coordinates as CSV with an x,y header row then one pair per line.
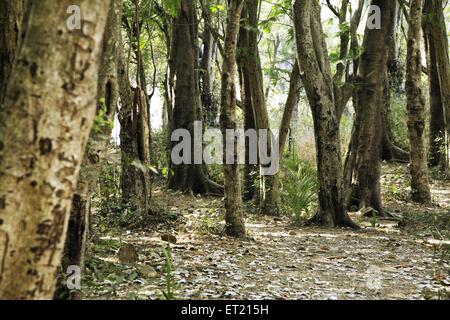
x,y
369,99
49,111
317,79
420,189
191,178
95,154
233,203
438,63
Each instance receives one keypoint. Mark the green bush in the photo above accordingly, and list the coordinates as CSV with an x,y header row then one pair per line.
x,y
298,189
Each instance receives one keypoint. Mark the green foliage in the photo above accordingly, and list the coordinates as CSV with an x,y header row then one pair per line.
x,y
169,292
299,189
101,120
397,120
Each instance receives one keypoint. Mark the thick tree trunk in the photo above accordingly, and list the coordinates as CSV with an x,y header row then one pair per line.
x,y
317,79
370,100
420,189
234,216
190,178
95,154
49,112
439,77
11,16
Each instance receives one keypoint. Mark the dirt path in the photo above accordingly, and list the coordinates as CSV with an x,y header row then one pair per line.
x,y
278,261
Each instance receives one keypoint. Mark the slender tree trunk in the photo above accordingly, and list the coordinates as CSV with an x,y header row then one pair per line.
x,y
270,203
317,79
250,170
420,189
233,202
49,110
285,126
210,107
133,182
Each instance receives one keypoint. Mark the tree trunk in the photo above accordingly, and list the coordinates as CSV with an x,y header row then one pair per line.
x,y
250,170
270,202
95,154
439,77
207,95
317,79
370,97
233,202
285,126
190,178
49,112
133,182
420,189
11,15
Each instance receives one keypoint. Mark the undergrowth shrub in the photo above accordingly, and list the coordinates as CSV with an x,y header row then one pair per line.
x,y
298,189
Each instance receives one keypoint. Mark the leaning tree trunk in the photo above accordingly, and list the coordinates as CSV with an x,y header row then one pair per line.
x,y
317,79
370,96
11,16
95,154
49,111
234,216
270,200
285,126
420,189
190,178
439,75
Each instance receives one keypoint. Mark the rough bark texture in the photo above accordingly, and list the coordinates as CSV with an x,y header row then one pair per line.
x,y
420,189
370,97
95,154
317,79
49,111
436,43
11,15
190,178
233,203
134,182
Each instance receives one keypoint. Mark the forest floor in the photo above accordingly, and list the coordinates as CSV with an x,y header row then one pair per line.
x,y
387,259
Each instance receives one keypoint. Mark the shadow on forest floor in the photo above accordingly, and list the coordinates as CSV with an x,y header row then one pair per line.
x,y
385,260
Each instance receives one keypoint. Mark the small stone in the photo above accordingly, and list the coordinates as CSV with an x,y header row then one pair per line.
x,y
147,271
292,233
128,254
169,238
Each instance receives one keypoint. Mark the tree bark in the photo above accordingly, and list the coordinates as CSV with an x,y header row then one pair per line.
x,y
11,16
436,42
285,126
49,110
234,219
420,189
317,79
190,178
370,97
95,154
